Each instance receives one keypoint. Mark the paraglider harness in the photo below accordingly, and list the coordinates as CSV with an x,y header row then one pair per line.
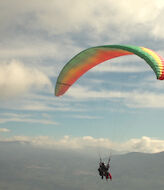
x,y
104,169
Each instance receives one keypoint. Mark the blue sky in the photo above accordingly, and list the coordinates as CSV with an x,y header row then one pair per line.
x,y
118,104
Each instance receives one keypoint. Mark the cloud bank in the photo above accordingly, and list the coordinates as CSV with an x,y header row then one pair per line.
x,y
143,144
42,26
81,14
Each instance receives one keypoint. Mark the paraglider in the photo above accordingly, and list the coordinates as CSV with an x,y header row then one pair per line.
x,y
91,57
104,170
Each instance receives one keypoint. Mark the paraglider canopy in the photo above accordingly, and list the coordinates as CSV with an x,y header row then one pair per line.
x,y
91,57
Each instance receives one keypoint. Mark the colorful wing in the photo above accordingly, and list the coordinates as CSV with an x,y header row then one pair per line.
x,y
91,57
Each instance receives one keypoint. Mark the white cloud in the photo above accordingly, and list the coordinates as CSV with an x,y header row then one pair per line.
x,y
119,68
145,99
4,130
17,79
158,31
143,144
25,49
75,15
86,117
140,99
128,64
25,118
97,16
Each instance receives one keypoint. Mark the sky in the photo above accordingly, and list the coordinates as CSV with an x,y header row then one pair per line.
x,y
118,105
